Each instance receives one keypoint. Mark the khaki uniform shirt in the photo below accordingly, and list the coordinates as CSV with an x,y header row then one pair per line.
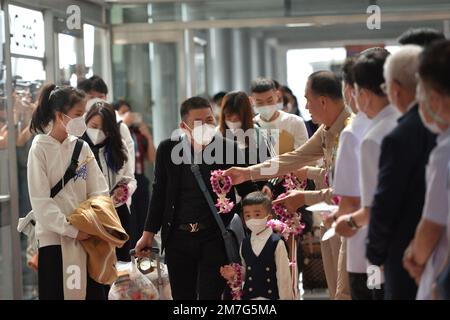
x,y
322,145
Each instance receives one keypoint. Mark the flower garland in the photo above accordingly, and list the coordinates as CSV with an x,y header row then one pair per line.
x,y
289,223
291,220
221,185
236,284
291,182
120,194
335,199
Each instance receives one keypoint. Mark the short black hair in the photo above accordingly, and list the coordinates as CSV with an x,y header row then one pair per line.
x,y
261,85
193,104
120,102
84,85
97,84
368,69
218,96
420,36
257,198
326,83
434,66
347,71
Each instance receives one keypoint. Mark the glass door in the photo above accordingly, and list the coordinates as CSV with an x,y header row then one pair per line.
x,y
149,73
201,83
71,65
24,43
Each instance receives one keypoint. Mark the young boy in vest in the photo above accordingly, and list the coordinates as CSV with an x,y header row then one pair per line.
x,y
264,256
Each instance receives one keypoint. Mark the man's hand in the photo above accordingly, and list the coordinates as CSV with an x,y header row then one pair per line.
x,y
238,175
414,270
329,219
227,272
144,244
342,227
302,174
292,201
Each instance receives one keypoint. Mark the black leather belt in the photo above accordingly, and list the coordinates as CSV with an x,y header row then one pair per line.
x,y
193,227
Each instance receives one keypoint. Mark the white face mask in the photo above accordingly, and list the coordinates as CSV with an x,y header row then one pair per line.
x,y
256,225
280,106
267,112
234,125
76,126
203,134
97,136
433,127
423,100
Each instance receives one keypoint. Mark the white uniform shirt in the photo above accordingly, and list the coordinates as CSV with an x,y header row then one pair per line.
x,y
284,283
382,124
48,160
436,209
346,183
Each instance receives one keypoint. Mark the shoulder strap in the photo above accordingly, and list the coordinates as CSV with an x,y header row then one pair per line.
x,y
196,171
71,170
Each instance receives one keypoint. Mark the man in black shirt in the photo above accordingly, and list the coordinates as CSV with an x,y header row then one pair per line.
x,y
190,236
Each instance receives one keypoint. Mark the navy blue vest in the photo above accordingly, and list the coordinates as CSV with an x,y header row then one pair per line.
x,y
261,271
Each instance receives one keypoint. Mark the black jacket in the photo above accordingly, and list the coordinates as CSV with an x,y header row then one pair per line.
x,y
167,182
399,197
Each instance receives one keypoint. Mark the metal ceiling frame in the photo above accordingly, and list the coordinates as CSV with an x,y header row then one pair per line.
x,y
123,32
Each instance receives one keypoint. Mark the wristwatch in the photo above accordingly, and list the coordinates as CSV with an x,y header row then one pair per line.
x,y
352,224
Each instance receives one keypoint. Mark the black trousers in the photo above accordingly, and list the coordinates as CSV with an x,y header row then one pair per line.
x,y
398,283
123,254
50,277
194,261
358,286
359,289
139,207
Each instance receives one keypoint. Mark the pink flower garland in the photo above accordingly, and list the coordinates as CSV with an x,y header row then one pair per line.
x,y
120,199
335,200
291,182
221,185
291,220
236,284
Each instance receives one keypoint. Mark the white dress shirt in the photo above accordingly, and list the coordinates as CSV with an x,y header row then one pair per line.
x,y
346,183
258,241
436,209
382,124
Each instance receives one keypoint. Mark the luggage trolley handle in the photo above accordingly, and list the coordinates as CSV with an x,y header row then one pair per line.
x,y
155,251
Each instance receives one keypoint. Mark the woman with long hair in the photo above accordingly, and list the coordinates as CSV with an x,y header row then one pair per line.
x,y
58,122
103,136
